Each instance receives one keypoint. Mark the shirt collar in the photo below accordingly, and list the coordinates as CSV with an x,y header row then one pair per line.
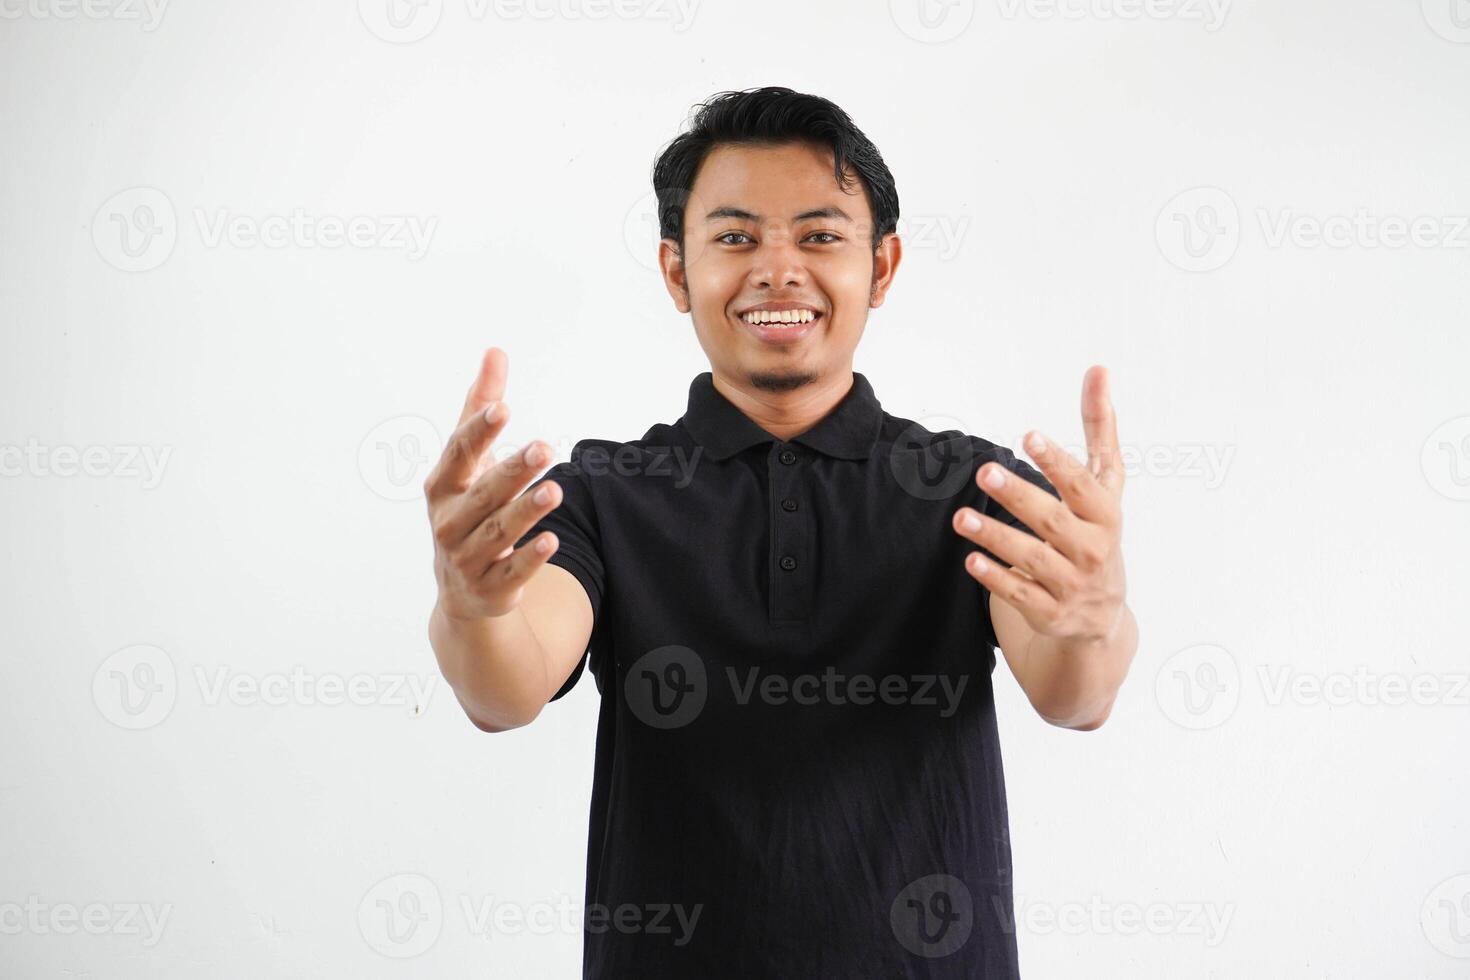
x,y
849,431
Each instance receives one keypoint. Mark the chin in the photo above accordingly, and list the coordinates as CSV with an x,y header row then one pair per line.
x,y
788,379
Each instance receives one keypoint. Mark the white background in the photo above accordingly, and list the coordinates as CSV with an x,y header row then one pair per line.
x,y
1297,514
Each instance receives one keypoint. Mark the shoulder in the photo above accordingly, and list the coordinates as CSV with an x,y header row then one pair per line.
x,y
664,451
933,461
900,435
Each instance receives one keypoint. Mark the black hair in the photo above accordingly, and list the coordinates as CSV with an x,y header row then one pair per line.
x,y
772,115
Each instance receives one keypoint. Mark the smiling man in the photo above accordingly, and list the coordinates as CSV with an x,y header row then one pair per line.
x,y
789,598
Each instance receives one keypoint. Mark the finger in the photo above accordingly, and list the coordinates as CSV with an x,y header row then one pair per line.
x,y
515,570
1051,519
1029,598
499,530
1087,498
1020,550
489,384
457,465
1100,424
491,491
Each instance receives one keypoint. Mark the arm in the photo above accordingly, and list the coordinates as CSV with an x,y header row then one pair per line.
x,y
504,669
1070,683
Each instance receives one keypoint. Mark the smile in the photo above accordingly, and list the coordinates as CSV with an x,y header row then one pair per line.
x,y
780,327
790,317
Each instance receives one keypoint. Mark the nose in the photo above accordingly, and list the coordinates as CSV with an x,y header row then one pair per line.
x,y
777,263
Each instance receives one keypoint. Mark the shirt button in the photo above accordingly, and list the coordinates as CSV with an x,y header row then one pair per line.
x,y
788,504
788,457
787,562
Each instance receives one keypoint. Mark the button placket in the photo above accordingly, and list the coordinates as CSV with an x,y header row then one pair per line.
x,y
788,587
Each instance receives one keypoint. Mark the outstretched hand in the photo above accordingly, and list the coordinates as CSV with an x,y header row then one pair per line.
x,y
1069,582
477,511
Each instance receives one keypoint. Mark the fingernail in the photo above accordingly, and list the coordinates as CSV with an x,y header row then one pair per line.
x,y
994,477
490,411
979,564
1035,445
533,454
970,522
542,495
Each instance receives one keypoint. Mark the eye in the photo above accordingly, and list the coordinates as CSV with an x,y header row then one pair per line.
x,y
739,234
828,234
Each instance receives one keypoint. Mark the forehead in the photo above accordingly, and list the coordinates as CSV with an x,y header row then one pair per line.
x,y
775,182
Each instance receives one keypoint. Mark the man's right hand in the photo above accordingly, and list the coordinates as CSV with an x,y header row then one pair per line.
x,y
476,510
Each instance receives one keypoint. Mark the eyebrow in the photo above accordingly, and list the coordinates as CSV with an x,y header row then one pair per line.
x,y
743,215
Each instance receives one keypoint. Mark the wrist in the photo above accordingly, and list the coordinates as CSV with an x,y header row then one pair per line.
x,y
456,619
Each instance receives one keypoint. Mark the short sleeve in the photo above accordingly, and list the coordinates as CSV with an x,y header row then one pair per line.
x,y
574,522
992,510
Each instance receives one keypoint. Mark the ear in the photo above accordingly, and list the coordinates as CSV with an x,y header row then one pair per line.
x,y
885,264
675,276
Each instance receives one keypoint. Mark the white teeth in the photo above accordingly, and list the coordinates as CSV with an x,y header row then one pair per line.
x,y
780,316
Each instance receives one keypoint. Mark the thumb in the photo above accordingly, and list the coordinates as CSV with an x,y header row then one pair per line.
x,y
489,384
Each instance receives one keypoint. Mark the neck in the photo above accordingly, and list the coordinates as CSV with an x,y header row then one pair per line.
x,y
786,413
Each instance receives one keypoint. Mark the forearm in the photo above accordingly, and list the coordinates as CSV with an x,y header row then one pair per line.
x,y
495,665
1073,684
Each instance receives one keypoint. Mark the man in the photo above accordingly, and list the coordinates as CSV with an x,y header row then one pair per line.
x,y
785,596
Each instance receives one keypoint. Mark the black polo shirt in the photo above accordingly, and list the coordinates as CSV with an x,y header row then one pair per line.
x,y
797,768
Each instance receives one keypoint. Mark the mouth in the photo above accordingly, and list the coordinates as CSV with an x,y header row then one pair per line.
x,y
780,326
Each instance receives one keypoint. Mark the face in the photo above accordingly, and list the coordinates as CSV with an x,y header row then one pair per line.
x,y
769,234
